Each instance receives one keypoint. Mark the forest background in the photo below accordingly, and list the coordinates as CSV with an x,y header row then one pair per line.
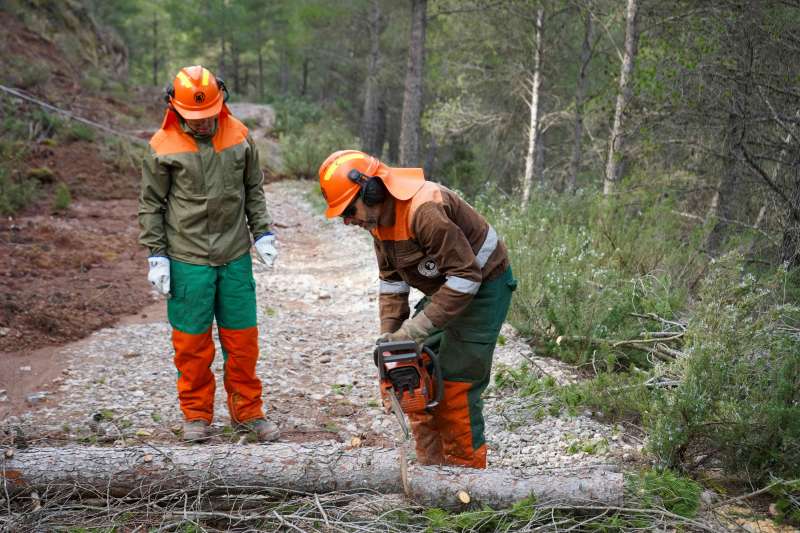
x,y
640,158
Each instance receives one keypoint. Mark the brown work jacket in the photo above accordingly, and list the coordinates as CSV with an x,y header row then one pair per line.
x,y
440,245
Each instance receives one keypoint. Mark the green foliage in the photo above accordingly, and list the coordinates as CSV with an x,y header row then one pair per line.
x,y
292,115
77,131
739,396
62,197
26,73
664,488
303,153
589,266
787,504
41,174
15,194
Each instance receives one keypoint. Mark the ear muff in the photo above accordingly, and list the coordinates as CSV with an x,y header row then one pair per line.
x,y
169,93
225,94
372,190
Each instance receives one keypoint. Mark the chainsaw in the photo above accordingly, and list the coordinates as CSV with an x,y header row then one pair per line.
x,y
410,378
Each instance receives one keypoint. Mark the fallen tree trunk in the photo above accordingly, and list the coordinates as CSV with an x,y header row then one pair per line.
x,y
318,468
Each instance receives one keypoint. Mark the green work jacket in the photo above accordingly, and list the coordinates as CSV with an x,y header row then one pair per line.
x,y
200,195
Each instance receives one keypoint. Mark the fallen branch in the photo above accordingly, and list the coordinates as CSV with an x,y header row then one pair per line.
x,y
309,468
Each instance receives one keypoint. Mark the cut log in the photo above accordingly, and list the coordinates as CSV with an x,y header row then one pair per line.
x,y
309,468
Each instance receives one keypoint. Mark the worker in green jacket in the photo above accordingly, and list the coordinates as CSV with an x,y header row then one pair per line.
x,y
201,201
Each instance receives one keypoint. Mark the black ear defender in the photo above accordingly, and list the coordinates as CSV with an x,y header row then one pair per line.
x,y
169,93
225,93
373,191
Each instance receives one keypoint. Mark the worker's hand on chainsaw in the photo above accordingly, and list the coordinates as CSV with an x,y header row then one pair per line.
x,y
159,274
416,329
265,249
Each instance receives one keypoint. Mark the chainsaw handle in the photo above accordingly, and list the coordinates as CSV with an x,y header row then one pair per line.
x,y
437,369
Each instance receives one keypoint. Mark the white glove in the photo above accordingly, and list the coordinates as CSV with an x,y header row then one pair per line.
x,y
265,249
159,274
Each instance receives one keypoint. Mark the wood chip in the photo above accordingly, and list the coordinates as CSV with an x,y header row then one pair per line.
x,y
463,497
355,442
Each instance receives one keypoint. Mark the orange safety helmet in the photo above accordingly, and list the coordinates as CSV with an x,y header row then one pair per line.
x,y
196,93
339,189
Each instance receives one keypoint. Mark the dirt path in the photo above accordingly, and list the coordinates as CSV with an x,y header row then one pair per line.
x,y
317,317
317,313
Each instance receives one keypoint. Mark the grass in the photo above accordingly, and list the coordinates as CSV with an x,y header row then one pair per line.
x,y
62,197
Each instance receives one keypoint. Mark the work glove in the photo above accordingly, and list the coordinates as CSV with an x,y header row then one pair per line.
x,y
416,329
265,249
159,274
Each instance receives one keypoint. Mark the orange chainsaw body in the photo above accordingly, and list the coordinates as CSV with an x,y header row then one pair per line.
x,y
410,374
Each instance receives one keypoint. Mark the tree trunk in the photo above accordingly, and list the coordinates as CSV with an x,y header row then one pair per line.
x,y
304,86
155,50
380,136
371,115
236,66
616,144
283,73
533,130
260,74
731,196
580,98
393,133
790,244
313,468
410,126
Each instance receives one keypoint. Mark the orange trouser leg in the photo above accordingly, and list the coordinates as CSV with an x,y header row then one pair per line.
x,y
455,428
427,439
240,347
193,357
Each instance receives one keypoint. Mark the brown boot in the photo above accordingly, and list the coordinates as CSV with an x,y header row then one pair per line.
x,y
195,430
263,429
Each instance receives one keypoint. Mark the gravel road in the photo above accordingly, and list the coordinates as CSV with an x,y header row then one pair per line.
x,y
317,312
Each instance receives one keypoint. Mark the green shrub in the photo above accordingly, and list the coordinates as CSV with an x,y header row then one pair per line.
x,y
77,131
739,395
15,194
677,494
583,277
41,174
304,152
62,197
293,114
26,72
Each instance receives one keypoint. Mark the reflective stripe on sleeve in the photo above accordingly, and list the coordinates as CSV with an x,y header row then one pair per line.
x,y
489,245
463,285
394,287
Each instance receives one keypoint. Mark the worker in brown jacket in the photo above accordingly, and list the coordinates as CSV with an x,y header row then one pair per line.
x,y
429,238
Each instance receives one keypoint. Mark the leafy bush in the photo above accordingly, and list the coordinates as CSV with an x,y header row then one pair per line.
x,y
27,72
62,197
304,152
677,494
583,277
40,174
15,194
77,131
293,114
739,396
